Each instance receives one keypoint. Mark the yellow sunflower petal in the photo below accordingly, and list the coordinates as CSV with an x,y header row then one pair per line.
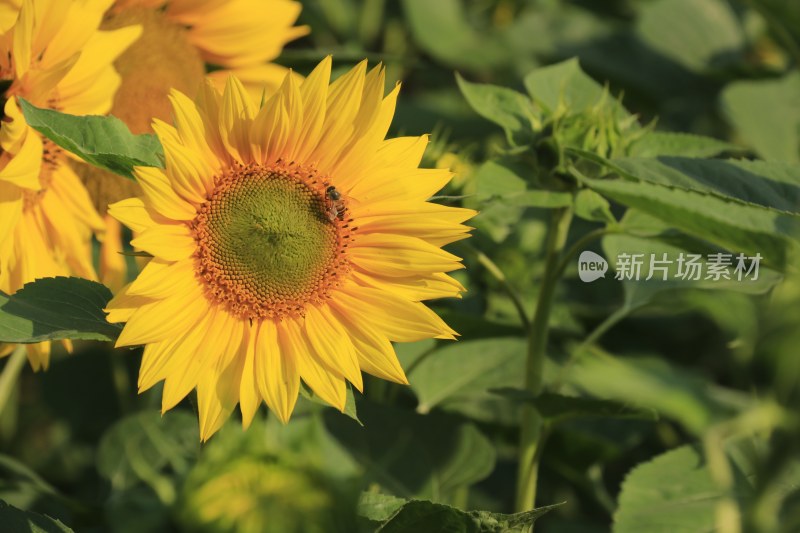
x,y
331,345
218,389
24,168
133,213
156,321
400,320
249,396
191,129
172,242
400,255
236,115
314,93
375,353
160,279
186,168
276,372
325,383
123,305
160,195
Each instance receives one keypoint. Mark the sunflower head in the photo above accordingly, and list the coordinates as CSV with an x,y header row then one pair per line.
x,y
290,241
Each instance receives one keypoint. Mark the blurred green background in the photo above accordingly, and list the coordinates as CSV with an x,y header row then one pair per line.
x,y
699,372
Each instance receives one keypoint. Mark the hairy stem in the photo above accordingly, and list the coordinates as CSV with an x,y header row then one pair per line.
x,y
531,434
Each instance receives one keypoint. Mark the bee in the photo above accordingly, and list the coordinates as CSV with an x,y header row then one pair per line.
x,y
335,205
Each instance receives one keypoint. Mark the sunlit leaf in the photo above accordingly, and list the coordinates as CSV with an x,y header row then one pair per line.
x,y
698,35
744,228
441,29
768,184
105,142
468,369
766,114
507,108
673,492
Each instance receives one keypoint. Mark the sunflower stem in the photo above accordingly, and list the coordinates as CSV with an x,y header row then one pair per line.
x,y
532,425
8,379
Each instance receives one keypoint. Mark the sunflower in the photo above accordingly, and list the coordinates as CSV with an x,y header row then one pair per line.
x,y
181,37
289,242
51,54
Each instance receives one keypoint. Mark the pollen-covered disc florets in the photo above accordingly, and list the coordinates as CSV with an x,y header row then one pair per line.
x,y
266,246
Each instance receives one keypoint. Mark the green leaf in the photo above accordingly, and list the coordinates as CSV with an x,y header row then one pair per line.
x,y
673,493
18,521
379,507
766,115
349,404
768,184
564,84
54,309
698,35
105,142
661,143
505,107
731,224
412,455
429,517
652,383
467,370
503,180
441,29
558,407
150,448
591,206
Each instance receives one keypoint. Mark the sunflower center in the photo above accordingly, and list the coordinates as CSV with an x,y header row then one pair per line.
x,y
267,243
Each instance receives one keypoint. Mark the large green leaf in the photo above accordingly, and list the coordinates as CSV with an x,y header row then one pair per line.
x,y
105,142
673,493
442,29
14,520
412,455
429,517
766,114
467,369
700,35
768,184
56,308
505,107
738,227
652,383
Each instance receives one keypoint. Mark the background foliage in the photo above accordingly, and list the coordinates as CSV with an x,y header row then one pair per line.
x,y
661,406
